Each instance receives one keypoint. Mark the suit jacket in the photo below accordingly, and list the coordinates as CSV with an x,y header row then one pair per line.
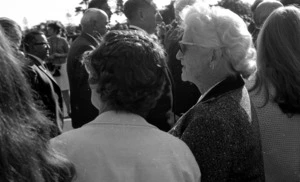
x,y
46,92
123,147
222,132
160,115
80,93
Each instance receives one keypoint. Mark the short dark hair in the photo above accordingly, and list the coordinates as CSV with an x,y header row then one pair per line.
x,y
55,26
30,38
254,5
97,3
129,70
131,7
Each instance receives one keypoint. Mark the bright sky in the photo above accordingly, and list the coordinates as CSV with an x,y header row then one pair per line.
x,y
36,11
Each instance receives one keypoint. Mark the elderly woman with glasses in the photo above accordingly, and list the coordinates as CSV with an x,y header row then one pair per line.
x,y
221,129
127,77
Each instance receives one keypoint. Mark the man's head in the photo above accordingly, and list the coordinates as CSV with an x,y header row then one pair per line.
x,y
101,4
263,10
35,43
94,21
53,29
142,13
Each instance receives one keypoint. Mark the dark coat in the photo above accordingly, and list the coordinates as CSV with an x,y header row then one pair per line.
x,y
161,113
80,93
222,132
46,92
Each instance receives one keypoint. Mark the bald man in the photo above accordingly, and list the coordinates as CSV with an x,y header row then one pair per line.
x,y
94,24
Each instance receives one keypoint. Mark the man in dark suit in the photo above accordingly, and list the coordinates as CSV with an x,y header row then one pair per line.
x,y
142,15
46,92
94,25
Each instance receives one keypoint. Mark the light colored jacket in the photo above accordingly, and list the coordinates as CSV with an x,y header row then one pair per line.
x,y
120,147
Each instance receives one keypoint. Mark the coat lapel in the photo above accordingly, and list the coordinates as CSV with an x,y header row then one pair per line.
x,y
229,84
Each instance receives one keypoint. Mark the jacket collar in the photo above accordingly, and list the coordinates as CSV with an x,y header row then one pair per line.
x,y
120,118
35,60
133,27
229,84
90,38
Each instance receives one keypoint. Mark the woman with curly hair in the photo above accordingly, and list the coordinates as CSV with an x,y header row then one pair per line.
x,y
24,131
276,94
126,76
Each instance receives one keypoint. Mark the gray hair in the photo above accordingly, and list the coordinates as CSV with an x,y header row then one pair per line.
x,y
216,27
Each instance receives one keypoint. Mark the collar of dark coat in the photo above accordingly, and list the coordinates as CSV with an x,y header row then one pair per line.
x,y
90,38
34,60
227,85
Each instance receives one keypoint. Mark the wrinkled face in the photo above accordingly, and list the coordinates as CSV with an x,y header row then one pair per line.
x,y
151,17
102,26
195,61
40,47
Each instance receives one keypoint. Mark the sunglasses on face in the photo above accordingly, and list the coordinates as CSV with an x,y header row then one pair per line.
x,y
183,46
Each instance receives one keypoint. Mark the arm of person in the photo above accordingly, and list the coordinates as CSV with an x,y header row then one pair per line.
x,y
61,56
209,139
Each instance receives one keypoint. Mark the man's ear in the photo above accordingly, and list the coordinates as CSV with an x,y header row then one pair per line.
x,y
140,14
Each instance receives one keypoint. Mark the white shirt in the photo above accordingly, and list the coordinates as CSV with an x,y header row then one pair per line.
x,y
120,147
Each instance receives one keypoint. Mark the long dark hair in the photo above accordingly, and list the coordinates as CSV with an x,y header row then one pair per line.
x,y
278,59
24,152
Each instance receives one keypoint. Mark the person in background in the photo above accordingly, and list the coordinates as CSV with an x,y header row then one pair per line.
x,y
221,129
251,27
127,76
262,11
24,130
142,15
94,25
185,94
59,49
103,5
276,94
13,32
47,93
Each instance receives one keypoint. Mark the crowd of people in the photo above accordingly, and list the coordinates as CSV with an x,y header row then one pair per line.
x,y
201,97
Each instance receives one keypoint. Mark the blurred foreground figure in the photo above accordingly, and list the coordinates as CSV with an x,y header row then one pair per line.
x,y
127,76
277,94
94,25
24,152
222,131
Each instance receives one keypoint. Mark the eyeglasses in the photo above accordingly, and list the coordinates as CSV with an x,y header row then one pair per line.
x,y
183,48
41,43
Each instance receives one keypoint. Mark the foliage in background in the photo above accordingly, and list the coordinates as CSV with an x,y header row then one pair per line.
x,y
239,7
83,5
